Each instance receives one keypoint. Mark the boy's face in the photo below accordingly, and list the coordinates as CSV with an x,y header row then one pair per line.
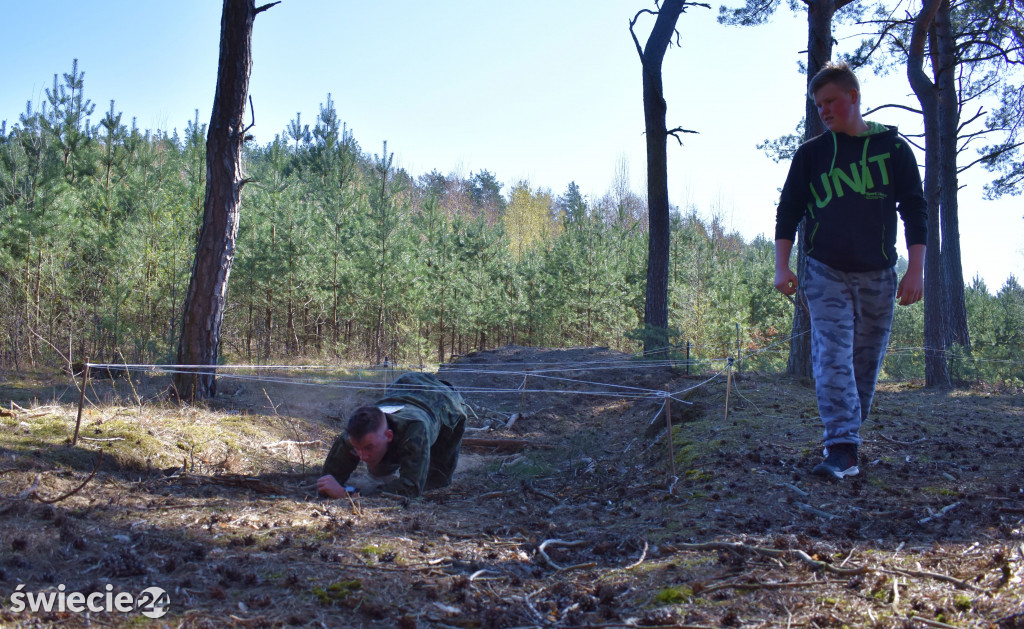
x,y
373,446
839,108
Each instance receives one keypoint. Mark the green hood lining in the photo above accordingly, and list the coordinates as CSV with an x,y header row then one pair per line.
x,y
874,128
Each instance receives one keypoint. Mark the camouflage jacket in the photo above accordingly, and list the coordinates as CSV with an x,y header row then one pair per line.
x,y
427,431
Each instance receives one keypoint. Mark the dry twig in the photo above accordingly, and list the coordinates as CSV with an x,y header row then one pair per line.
x,y
818,512
74,491
934,623
643,555
528,485
902,443
287,442
559,542
941,513
762,586
963,585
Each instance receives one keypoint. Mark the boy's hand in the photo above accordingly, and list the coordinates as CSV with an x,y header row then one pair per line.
x,y
785,281
911,289
331,487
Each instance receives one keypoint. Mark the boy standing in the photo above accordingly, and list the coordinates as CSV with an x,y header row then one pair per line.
x,y
849,184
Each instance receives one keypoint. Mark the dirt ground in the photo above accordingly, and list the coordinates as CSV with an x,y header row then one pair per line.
x,y
581,519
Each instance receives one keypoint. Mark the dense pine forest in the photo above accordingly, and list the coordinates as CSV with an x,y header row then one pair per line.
x,y
341,256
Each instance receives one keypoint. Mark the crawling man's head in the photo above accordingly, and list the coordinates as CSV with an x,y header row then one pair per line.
x,y
369,434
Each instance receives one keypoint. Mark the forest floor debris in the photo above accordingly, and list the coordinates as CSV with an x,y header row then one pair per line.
x,y
216,506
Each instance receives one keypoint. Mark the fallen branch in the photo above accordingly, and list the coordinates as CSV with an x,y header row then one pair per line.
x,y
933,623
963,585
528,485
794,488
818,512
496,494
278,444
902,443
761,586
479,574
74,491
772,552
821,565
377,567
559,542
827,567
941,513
504,445
41,412
643,555
731,546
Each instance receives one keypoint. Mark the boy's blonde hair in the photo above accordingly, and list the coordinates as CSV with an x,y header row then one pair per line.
x,y
838,73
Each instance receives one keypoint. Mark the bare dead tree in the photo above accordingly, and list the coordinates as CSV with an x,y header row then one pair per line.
x,y
655,109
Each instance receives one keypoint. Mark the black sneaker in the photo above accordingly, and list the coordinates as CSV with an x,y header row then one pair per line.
x,y
840,461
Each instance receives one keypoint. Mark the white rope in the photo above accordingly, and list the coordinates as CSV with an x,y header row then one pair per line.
x,y
137,367
640,394
682,391
945,352
631,362
775,344
541,375
607,389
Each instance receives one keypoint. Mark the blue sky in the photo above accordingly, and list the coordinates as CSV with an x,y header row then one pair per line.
x,y
543,90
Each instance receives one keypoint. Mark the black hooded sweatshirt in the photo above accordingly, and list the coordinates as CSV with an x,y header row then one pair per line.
x,y
850,189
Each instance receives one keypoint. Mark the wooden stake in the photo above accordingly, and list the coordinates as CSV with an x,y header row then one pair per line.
x,y
728,387
81,401
668,423
522,395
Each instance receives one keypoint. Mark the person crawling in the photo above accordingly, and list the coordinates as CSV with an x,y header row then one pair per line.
x,y
415,430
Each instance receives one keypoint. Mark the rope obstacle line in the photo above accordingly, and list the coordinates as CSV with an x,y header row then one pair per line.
x,y
629,393
604,389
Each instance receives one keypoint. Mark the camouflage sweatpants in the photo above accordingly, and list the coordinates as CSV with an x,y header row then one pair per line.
x,y
851,317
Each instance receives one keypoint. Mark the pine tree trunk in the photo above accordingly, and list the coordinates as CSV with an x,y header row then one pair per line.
x,y
655,108
819,52
27,314
205,301
334,286
440,328
954,299
936,370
